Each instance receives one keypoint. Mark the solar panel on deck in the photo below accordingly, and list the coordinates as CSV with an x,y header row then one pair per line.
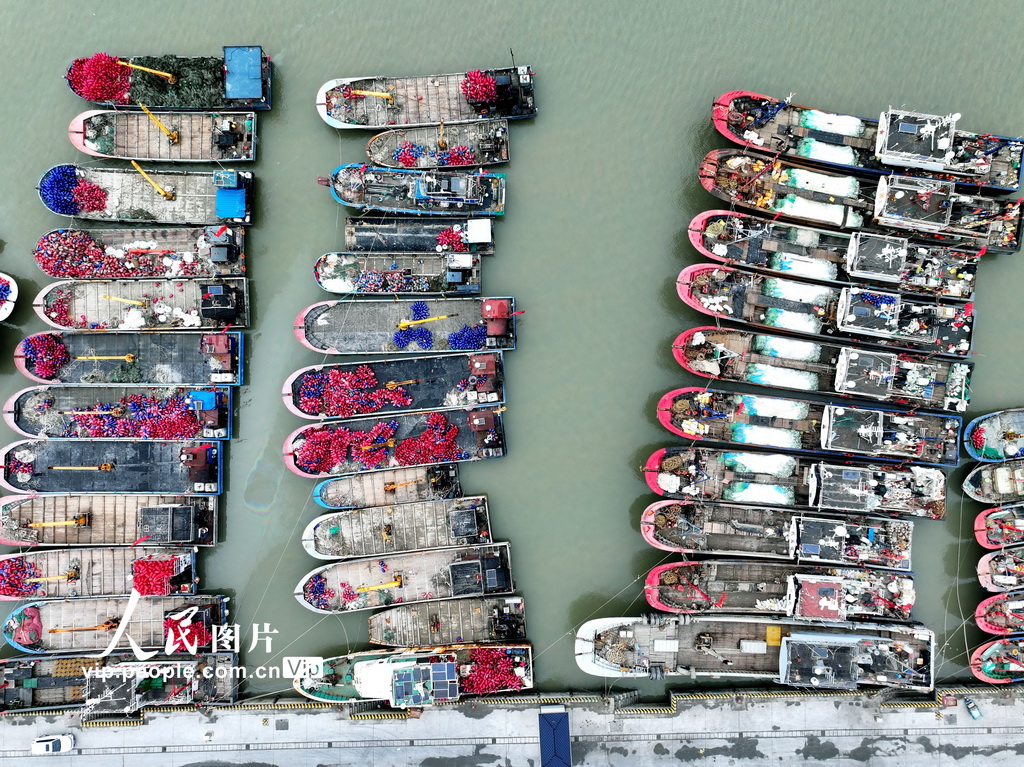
x,y
492,579
908,128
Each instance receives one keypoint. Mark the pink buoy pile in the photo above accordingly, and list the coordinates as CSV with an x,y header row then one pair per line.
x,y
138,416
343,393
493,670
183,638
349,94
45,354
14,577
479,87
437,444
459,155
89,196
449,238
325,447
978,437
58,309
100,78
152,577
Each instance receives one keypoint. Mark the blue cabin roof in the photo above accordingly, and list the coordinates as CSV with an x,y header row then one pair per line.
x,y
243,72
231,203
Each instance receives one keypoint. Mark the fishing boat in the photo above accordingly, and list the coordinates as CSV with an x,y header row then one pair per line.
x,y
1001,614
145,305
399,528
401,234
689,527
379,326
1000,527
152,197
445,381
1000,661
781,362
450,621
782,650
396,273
89,359
383,102
174,624
418,576
114,466
848,258
239,79
811,426
870,316
421,676
777,479
160,136
416,192
97,572
484,142
1001,483
108,520
900,141
930,208
994,437
8,295
122,254
388,486
815,594
54,682
406,439
1002,570
121,412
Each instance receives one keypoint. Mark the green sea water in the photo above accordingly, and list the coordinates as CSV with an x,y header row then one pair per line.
x,y
601,189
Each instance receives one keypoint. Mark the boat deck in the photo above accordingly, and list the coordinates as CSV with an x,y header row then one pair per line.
x,y
136,467
30,683
726,529
996,483
81,572
112,520
398,234
135,135
450,621
390,486
398,273
380,530
487,141
434,192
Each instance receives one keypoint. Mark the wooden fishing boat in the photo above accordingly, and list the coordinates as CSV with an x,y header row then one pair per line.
x,y
931,209
401,234
88,359
97,572
781,362
421,676
870,316
418,576
776,479
145,305
787,651
406,484
108,520
121,412
175,624
1001,483
58,682
1000,527
8,295
160,136
406,439
383,102
165,253
900,141
445,381
753,531
1002,570
1001,614
846,258
397,273
816,594
379,326
115,466
450,621
150,197
399,528
1000,661
418,193
239,79
811,426
442,146
994,437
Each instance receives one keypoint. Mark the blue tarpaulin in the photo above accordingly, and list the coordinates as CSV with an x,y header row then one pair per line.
x,y
243,78
554,737
230,203
204,400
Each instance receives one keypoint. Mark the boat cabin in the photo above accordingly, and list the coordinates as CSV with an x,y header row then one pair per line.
x,y
916,140
844,662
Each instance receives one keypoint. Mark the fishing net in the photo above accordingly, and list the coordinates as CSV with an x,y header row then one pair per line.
x,y
200,82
